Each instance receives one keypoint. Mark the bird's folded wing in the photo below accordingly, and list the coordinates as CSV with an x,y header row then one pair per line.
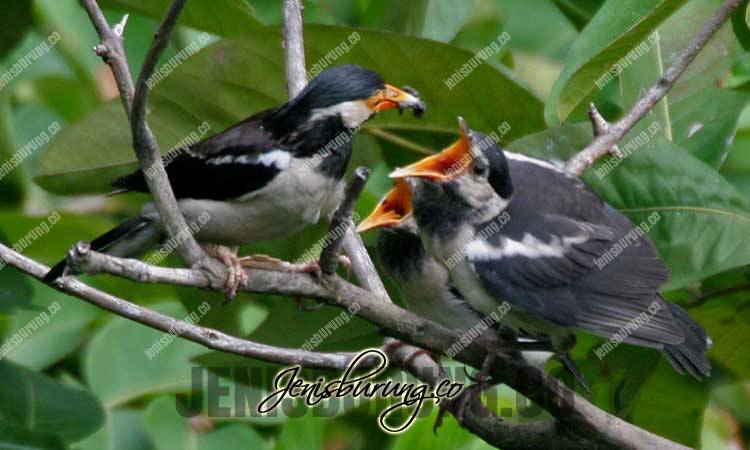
x,y
552,268
225,166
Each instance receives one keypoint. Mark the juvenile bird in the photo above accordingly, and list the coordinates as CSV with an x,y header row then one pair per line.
x,y
267,176
521,230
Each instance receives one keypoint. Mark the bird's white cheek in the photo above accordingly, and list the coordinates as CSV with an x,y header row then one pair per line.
x,y
353,113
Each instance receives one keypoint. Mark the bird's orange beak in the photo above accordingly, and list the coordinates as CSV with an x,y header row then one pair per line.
x,y
446,165
392,210
392,97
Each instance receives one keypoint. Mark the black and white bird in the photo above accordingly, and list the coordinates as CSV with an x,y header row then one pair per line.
x,y
521,230
424,283
267,176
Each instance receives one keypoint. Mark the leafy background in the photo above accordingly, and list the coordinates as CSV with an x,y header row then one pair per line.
x,y
82,381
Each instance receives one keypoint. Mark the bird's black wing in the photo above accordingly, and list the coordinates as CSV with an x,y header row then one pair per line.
x,y
233,163
549,266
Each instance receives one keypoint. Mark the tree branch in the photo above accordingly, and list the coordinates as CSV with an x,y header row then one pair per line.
x,y
341,222
144,142
602,144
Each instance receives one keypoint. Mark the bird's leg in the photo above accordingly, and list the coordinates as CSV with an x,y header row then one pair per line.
x,y
562,354
470,395
236,275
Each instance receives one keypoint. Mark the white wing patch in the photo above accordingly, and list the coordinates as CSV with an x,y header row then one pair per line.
x,y
277,158
528,247
535,161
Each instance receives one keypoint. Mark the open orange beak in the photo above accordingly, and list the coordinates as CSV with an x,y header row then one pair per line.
x,y
445,165
392,97
392,210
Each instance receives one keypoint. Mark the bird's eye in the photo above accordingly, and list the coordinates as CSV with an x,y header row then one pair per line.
x,y
479,169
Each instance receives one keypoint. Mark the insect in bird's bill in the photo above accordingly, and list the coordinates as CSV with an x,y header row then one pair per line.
x,y
265,177
519,229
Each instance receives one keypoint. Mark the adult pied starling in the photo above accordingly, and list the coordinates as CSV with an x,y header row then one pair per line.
x,y
521,230
267,176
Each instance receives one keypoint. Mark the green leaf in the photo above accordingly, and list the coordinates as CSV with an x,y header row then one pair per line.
x,y
221,17
52,328
740,24
11,184
123,430
169,430
639,385
615,30
727,321
39,404
450,436
703,221
127,373
13,438
15,19
433,19
303,433
579,12
245,75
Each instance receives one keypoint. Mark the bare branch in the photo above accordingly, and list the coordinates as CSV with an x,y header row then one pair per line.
x,y
135,102
341,222
602,144
294,47
211,338
601,127
111,50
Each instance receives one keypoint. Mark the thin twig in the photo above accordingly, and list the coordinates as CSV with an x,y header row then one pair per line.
x,y
111,50
601,145
342,222
601,127
135,102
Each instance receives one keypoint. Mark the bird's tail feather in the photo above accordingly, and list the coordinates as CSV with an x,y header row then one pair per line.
x,y
690,355
128,239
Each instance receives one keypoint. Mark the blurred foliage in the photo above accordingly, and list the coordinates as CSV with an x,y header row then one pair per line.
x,y
83,380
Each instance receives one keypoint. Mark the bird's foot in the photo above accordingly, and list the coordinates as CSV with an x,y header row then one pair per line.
x,y
470,396
236,276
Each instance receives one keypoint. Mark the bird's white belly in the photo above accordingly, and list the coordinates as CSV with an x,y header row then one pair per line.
x,y
291,201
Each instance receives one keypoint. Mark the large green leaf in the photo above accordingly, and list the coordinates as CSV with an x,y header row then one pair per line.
x,y
639,385
221,17
169,430
128,373
38,404
617,27
235,78
704,222
433,19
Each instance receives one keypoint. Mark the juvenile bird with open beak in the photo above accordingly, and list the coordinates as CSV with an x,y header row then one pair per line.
x,y
265,177
521,230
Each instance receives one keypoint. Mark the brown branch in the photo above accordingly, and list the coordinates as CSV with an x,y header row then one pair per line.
x,y
296,78
575,415
601,145
341,222
135,102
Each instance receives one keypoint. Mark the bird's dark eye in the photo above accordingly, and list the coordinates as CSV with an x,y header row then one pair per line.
x,y
480,168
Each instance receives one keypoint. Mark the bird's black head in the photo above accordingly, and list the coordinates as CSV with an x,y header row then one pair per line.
x,y
469,177
350,94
